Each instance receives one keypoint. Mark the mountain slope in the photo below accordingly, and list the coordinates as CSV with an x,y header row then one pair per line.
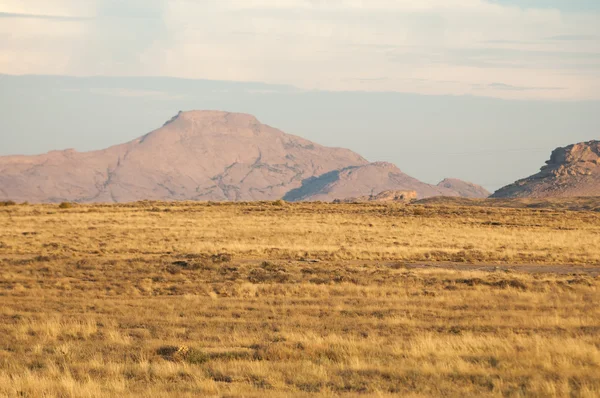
x,y
464,189
357,181
199,155
572,171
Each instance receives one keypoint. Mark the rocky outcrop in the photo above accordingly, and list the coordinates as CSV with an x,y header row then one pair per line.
x,y
383,197
572,171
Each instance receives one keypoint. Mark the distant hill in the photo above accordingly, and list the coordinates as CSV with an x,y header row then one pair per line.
x,y
205,155
464,189
572,171
357,181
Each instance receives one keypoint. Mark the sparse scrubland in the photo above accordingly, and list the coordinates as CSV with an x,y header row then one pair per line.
x,y
275,299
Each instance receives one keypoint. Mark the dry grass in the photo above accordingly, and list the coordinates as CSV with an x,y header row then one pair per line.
x,y
586,203
324,231
157,299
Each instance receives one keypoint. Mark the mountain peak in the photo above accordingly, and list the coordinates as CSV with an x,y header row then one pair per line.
x,y
576,154
203,117
209,125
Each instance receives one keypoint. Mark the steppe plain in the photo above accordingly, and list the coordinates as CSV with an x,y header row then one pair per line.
x,y
441,298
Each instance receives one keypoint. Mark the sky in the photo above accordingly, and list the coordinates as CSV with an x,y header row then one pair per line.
x,y
474,89
512,49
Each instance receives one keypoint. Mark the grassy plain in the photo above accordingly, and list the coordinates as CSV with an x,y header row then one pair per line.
x,y
202,299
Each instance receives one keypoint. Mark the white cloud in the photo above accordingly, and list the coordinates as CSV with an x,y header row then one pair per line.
x,y
65,8
426,46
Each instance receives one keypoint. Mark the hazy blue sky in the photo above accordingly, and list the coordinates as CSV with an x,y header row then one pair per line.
x,y
474,89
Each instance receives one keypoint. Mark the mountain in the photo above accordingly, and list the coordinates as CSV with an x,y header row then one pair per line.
x,y
572,171
204,155
464,189
200,155
357,181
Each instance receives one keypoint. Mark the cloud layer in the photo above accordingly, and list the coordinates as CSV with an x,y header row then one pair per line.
x,y
506,49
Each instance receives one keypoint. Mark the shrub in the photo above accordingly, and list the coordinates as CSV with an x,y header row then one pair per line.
x,y
182,353
8,203
268,273
169,351
221,258
177,266
195,357
65,205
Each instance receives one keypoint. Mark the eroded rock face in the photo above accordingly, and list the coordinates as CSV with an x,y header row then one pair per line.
x,y
571,171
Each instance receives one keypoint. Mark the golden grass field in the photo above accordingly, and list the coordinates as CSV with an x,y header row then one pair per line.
x,y
274,299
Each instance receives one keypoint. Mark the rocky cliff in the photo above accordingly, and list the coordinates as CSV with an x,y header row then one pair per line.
x,y
571,171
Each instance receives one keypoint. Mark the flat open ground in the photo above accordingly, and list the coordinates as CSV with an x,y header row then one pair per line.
x,y
271,299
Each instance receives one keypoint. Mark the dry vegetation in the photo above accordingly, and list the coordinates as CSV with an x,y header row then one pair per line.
x,y
586,203
159,299
276,230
